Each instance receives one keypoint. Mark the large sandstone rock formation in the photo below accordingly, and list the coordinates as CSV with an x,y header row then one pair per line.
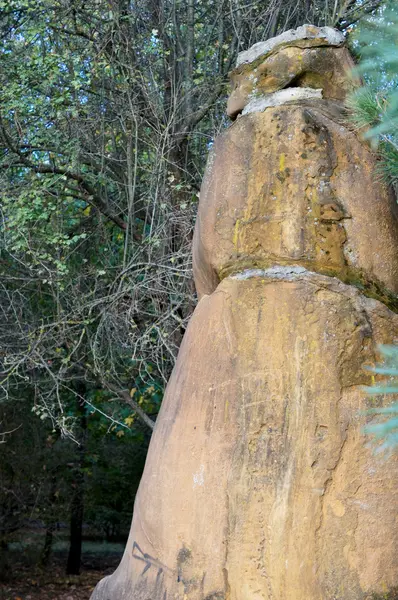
x,y
258,484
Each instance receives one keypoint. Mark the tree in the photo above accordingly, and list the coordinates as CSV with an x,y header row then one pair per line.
x,y
108,109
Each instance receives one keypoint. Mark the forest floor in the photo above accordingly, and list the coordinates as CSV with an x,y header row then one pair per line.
x,y
51,584
22,580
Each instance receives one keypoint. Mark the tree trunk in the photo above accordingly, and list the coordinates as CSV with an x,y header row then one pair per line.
x,y
50,526
77,505
48,544
76,528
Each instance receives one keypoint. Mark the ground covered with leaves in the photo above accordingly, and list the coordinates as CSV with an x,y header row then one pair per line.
x,y
51,584
26,582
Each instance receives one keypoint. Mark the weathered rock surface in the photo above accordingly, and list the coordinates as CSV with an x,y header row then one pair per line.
x,y
258,484
306,63
286,96
293,185
302,37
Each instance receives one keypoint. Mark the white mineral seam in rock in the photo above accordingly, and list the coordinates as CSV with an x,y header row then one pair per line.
x,y
305,32
198,478
281,97
277,272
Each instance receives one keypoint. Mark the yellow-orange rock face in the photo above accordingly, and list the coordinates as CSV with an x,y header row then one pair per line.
x,y
314,67
293,185
258,484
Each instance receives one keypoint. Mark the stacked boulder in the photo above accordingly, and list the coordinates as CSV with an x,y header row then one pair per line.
x,y
258,483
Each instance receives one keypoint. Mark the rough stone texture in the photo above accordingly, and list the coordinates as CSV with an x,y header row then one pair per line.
x,y
258,483
306,35
293,185
287,96
320,67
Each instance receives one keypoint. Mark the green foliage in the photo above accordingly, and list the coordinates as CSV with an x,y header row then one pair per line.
x,y
387,431
374,107
379,66
367,106
367,111
106,115
96,206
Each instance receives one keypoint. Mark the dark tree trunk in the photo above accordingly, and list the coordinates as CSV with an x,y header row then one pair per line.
x,y
77,505
76,528
50,526
48,544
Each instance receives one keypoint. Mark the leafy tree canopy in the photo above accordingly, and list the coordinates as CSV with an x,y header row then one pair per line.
x,y
107,110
